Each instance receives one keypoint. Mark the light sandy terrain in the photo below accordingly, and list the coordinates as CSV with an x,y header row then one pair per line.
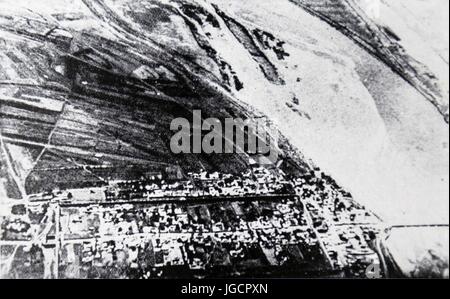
x,y
412,259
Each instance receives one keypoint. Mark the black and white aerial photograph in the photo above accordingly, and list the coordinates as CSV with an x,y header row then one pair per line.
x,y
224,139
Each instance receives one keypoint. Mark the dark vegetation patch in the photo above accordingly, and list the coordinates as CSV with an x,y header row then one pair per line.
x,y
270,42
243,35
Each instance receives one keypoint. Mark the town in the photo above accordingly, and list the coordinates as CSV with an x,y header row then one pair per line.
x,y
259,224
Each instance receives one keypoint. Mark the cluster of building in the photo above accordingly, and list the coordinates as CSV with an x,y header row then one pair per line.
x,y
255,182
260,218
14,227
151,239
347,229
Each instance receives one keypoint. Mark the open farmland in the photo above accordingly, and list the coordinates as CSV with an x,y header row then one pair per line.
x,y
70,105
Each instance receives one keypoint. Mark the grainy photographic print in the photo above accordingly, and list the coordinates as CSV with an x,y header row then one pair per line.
x,y
224,139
